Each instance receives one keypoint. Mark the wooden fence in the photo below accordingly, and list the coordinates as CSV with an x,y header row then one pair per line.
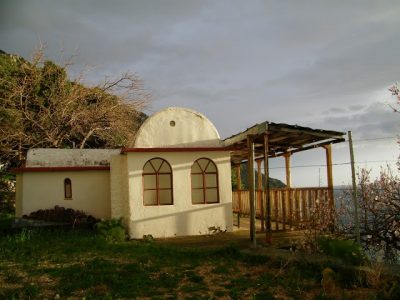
x,y
289,207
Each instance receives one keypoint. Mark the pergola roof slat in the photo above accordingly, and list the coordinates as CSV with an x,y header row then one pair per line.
x,y
283,138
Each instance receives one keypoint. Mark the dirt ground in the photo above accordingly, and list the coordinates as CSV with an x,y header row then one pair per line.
x,y
239,237
279,245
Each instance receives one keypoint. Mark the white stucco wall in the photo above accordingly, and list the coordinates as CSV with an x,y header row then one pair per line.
x,y
119,188
43,190
116,190
177,127
181,218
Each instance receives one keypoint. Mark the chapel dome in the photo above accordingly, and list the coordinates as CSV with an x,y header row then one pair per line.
x,y
177,127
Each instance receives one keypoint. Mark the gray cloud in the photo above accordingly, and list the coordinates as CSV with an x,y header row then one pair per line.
x,y
375,121
313,63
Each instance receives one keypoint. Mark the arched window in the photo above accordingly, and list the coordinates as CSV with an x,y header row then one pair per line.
x,y
157,182
67,188
204,182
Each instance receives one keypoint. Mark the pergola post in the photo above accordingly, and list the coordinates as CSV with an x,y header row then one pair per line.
x,y
287,168
276,140
260,193
268,236
250,170
331,204
329,173
239,191
287,202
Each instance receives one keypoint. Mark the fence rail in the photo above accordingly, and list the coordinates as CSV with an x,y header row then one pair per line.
x,y
290,207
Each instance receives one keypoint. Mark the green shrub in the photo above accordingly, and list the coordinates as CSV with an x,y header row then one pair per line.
x,y
346,250
111,230
6,221
22,236
58,214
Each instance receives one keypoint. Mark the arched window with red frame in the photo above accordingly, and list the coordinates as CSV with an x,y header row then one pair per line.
x,y
157,182
204,177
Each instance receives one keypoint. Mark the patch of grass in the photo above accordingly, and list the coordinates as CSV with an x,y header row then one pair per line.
x,y
225,268
264,295
29,291
219,293
347,250
10,293
238,286
193,277
192,288
308,270
79,263
121,280
11,277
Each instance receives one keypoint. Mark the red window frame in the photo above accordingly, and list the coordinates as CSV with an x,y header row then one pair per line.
x,y
157,173
204,173
67,188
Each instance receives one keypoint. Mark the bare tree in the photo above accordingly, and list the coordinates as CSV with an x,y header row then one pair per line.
x,y
379,206
394,89
41,107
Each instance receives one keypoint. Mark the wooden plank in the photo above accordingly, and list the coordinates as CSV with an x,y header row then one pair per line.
x,y
268,236
309,147
287,169
234,201
297,205
276,203
304,130
259,196
283,201
304,206
328,149
272,201
291,200
242,136
250,171
239,186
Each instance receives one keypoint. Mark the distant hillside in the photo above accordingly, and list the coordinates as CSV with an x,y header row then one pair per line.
x,y
273,182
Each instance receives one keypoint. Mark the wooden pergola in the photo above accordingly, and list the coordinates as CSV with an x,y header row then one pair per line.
x,y
267,140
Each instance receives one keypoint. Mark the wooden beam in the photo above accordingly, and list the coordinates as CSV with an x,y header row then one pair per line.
x,y
256,129
286,200
268,235
239,188
259,193
305,130
353,180
287,168
329,173
309,147
281,136
250,170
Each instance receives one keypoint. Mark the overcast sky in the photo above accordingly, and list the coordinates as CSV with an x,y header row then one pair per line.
x,y
324,64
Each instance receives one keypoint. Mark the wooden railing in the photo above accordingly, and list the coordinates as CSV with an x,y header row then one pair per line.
x,y
289,207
